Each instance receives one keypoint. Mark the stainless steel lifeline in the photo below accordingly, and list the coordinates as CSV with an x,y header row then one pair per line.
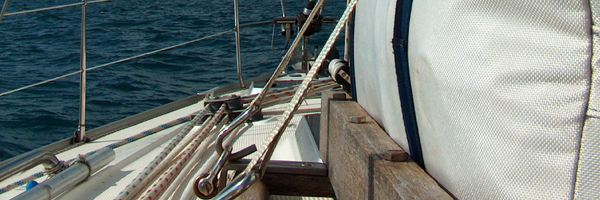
x,y
251,174
80,134
255,105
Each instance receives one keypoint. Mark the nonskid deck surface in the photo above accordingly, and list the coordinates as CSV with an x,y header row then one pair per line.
x,y
297,145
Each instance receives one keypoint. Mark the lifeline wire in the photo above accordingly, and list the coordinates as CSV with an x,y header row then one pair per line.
x,y
146,133
55,7
267,148
115,62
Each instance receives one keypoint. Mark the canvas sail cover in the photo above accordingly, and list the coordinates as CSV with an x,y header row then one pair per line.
x,y
506,93
374,61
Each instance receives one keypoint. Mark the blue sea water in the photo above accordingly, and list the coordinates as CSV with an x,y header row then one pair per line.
x,y
42,45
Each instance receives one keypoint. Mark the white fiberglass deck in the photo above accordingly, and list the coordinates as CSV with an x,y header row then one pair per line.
x,y
297,144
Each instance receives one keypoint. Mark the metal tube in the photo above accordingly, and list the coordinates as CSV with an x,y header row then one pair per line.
x,y
238,54
305,53
81,128
346,37
286,58
282,8
255,105
3,10
299,96
28,161
249,112
70,177
238,185
207,186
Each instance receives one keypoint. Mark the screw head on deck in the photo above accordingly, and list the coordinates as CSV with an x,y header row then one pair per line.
x,y
305,164
396,155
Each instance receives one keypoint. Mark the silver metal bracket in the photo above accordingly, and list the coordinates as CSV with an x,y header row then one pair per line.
x,y
207,185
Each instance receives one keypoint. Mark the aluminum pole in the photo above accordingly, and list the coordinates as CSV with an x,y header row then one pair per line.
x,y
347,38
3,10
282,8
28,161
238,54
81,128
70,177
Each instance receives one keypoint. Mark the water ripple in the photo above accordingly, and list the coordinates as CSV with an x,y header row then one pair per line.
x,y
43,45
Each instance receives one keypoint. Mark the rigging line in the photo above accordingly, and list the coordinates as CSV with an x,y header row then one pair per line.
x,y
115,62
266,150
55,7
256,24
3,10
40,83
166,157
255,105
286,59
173,171
161,50
273,39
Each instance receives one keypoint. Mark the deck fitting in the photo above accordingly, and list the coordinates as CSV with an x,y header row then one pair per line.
x,y
358,120
339,96
396,155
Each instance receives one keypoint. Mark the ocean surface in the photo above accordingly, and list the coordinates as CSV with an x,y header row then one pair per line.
x,y
43,45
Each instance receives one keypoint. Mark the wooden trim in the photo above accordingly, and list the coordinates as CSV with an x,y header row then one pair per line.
x,y
354,154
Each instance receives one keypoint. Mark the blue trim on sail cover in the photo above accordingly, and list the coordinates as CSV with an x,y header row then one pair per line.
x,y
351,56
400,42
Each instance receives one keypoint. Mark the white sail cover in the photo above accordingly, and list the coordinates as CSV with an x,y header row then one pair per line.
x,y
375,69
501,91
506,93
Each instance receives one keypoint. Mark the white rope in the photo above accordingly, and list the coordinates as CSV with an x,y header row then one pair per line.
x,y
201,155
271,142
205,157
286,58
162,159
174,170
112,146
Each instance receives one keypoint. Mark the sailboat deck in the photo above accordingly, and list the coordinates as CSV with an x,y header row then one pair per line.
x,y
130,160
